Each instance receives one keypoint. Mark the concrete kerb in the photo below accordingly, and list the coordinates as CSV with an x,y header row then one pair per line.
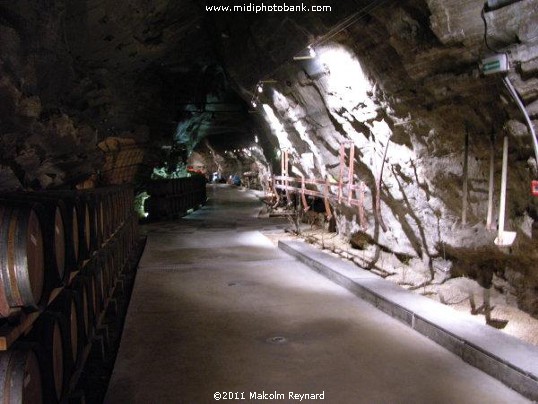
x,y
506,358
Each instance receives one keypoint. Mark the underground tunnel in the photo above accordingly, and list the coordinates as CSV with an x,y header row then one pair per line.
x,y
207,200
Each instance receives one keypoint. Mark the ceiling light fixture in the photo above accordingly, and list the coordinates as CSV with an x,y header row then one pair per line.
x,y
311,54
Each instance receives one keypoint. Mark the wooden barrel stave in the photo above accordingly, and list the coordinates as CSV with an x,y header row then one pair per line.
x,y
21,242
92,276
72,198
94,234
51,222
69,305
20,377
114,217
51,335
69,214
80,292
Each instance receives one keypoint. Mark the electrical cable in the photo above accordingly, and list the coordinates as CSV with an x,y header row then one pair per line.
x,y
352,19
341,26
483,15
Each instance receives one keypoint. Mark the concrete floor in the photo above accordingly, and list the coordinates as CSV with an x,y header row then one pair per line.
x,y
217,308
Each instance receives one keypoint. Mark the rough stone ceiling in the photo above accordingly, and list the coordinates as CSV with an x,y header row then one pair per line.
x,y
130,36
169,49
148,69
157,52
141,66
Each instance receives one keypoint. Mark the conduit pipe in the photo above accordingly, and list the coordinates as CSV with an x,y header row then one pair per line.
x,y
523,110
465,179
378,190
504,238
489,218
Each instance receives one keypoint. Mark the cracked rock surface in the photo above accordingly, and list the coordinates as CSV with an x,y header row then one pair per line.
x,y
400,80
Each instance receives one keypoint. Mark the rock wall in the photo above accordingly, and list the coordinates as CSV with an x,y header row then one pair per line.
x,y
403,83
38,137
247,161
73,73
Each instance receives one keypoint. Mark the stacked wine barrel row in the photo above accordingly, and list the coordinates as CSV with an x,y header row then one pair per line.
x,y
174,197
62,252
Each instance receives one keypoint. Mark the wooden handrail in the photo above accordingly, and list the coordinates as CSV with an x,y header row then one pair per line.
x,y
298,185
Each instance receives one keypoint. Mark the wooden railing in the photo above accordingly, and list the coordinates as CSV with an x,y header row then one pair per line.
x,y
348,192
298,185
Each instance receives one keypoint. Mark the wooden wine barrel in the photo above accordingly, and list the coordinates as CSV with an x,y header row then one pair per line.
x,y
82,289
72,238
22,265
5,308
72,198
20,377
115,261
51,220
155,187
100,287
160,207
72,235
74,330
119,251
176,186
173,198
121,204
96,219
52,225
101,267
128,196
110,213
87,225
101,216
114,212
69,214
51,334
133,232
112,265
113,216
127,245
112,268
70,305
92,276
95,297
120,207
104,200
